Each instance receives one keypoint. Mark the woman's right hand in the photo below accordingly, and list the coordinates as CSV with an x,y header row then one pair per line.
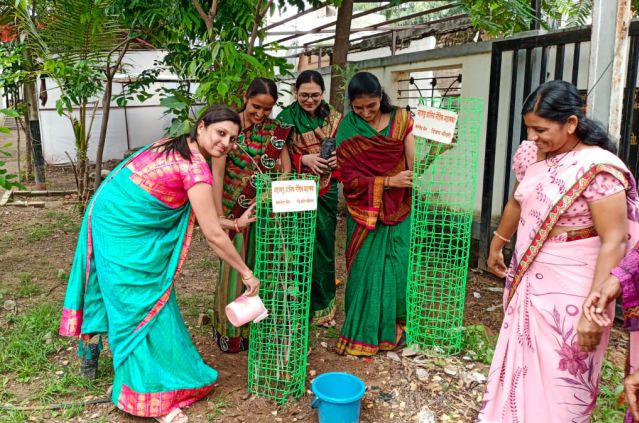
x,y
251,283
596,304
247,217
496,263
318,165
403,179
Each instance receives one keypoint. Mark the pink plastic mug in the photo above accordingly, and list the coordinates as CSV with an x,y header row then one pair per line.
x,y
245,309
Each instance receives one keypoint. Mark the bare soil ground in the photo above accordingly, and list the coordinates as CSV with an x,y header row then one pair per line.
x,y
36,250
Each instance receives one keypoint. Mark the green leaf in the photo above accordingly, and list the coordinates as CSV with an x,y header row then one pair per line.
x,y
173,103
10,113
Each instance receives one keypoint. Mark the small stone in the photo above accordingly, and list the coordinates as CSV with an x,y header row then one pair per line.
x,y
393,356
274,413
413,386
426,416
402,405
370,405
65,362
478,377
324,344
437,378
409,352
450,371
300,416
467,358
9,305
494,288
59,373
312,373
278,419
476,294
392,415
422,374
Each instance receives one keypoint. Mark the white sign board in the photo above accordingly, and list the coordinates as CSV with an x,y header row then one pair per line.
x,y
294,196
435,124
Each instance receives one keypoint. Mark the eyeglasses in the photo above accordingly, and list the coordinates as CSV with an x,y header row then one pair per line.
x,y
306,96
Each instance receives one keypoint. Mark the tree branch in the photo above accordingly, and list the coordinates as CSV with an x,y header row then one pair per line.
x,y
207,19
259,16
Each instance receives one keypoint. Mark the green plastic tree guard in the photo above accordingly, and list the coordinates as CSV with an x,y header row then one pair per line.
x,y
284,262
445,182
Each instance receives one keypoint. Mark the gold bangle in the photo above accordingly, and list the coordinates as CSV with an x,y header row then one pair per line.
x,y
237,227
500,237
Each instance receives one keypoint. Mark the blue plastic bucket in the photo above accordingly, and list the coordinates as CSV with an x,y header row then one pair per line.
x,y
338,397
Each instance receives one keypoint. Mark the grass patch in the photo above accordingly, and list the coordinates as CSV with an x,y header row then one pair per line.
x,y
28,287
39,232
30,339
207,263
608,408
220,407
477,344
64,221
56,221
13,416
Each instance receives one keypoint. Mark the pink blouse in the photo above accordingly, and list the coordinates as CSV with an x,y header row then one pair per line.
x,y
604,185
168,177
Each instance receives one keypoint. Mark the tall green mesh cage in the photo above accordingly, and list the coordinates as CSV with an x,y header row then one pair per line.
x,y
445,181
284,261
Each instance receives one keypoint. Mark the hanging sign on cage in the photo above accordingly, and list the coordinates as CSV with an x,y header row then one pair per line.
x,y
435,124
294,196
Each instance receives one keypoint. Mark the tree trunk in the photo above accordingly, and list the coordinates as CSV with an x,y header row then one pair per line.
x,y
340,52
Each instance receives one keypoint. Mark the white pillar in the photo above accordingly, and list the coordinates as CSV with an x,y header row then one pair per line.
x,y
608,62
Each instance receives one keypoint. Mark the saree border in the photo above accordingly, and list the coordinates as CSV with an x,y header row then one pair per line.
x,y
563,204
156,404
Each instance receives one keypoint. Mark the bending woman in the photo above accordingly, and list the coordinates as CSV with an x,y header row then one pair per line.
x,y
132,244
570,209
261,148
314,121
375,156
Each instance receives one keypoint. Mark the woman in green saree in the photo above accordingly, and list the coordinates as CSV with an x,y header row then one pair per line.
x,y
315,121
134,238
261,148
375,156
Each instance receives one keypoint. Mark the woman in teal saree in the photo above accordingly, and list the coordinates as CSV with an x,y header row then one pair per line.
x,y
132,244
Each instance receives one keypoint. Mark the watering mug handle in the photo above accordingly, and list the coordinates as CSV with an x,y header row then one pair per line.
x,y
315,403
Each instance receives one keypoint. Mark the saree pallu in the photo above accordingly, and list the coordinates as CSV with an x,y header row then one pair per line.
x,y
130,250
307,137
538,372
261,148
378,233
323,280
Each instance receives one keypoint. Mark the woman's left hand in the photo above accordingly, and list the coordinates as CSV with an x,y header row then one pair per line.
x,y
595,306
588,334
332,161
247,217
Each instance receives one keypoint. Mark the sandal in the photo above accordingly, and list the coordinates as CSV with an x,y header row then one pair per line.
x,y
174,416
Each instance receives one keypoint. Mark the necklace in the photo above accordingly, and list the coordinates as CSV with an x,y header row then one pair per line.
x,y
554,163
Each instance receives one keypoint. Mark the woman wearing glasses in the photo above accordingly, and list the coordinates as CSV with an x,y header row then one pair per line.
x,y
315,124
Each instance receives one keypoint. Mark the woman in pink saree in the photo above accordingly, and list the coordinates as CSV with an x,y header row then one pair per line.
x,y
575,209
